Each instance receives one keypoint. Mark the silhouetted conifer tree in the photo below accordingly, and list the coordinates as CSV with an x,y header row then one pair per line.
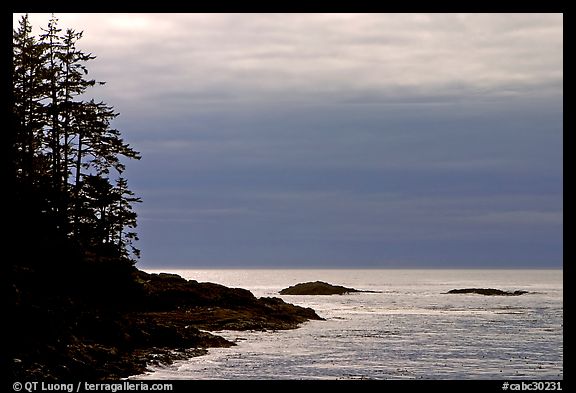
x,y
65,148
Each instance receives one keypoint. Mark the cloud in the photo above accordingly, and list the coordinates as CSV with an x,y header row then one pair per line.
x,y
338,137
311,57
521,217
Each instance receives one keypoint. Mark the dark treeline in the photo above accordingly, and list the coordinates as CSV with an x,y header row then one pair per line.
x,y
70,198
69,265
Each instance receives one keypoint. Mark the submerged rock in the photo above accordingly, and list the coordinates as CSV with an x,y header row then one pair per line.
x,y
318,288
488,292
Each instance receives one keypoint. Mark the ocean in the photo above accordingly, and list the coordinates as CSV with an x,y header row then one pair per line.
x,y
412,329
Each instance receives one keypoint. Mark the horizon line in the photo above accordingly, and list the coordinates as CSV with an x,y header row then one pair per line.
x,y
252,267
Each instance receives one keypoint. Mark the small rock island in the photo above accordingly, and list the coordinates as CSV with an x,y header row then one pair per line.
x,y
319,288
488,292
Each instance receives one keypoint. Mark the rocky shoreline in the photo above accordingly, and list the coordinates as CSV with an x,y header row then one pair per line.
x,y
102,321
162,318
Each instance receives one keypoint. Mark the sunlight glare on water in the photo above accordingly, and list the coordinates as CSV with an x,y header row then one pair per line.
x,y
413,329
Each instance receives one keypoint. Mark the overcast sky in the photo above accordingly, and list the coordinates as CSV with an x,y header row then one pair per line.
x,y
338,140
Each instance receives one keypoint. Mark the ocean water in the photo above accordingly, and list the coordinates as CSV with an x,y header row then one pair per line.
x,y
413,329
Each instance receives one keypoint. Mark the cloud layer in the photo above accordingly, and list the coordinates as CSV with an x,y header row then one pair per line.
x,y
338,139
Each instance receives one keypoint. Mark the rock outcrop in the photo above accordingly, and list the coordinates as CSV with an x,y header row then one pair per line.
x,y
212,306
318,288
488,292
